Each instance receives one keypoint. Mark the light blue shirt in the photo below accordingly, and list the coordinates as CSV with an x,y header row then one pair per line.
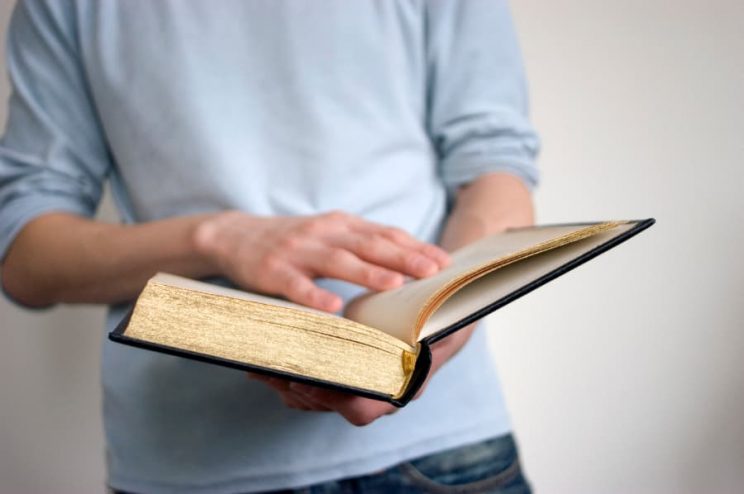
x,y
274,108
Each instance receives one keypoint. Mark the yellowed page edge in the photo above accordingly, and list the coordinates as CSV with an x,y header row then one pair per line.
x,y
502,281
436,299
202,287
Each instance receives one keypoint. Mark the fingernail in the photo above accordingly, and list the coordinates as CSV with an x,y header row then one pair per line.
x,y
330,303
425,267
389,279
444,258
440,255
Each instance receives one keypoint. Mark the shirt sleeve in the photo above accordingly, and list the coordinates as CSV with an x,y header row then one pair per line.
x,y
53,156
477,97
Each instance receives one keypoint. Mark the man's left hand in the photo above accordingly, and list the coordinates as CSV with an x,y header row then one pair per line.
x,y
355,409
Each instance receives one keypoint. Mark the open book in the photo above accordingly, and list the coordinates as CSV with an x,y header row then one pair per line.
x,y
380,348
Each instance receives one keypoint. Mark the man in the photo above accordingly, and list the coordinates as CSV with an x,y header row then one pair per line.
x,y
302,149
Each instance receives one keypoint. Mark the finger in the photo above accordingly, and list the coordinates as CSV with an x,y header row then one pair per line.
x,y
380,251
404,239
433,252
255,377
364,411
292,400
298,400
357,410
340,263
310,402
339,223
437,253
299,288
329,400
274,382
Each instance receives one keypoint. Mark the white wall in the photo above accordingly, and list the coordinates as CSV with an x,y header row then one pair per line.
x,y
627,375
624,376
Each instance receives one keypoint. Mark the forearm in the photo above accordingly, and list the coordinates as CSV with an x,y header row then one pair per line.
x,y
65,258
61,257
489,205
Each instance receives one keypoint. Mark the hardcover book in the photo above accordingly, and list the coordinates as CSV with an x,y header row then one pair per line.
x,y
381,346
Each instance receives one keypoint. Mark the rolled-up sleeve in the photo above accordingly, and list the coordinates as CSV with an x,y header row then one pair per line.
x,y
53,156
477,97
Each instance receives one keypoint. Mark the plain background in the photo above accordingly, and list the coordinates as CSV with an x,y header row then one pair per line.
x,y
625,376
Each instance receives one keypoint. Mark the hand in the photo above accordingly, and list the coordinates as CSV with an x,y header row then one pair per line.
x,y
355,409
490,204
282,255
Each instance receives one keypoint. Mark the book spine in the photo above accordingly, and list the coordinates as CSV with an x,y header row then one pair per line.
x,y
418,376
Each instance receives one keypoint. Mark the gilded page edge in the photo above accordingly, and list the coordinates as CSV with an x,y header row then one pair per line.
x,y
441,295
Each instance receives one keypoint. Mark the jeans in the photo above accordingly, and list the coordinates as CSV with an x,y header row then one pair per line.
x,y
488,467
491,466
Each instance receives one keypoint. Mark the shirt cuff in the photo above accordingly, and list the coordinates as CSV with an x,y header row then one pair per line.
x,y
15,214
463,170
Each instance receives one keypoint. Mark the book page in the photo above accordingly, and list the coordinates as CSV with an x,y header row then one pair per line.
x,y
332,321
238,330
501,282
399,312
402,312
200,286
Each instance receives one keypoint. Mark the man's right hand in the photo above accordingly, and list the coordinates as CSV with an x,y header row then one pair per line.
x,y
61,257
282,255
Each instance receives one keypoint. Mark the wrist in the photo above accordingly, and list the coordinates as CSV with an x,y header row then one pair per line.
x,y
204,240
212,234
444,350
